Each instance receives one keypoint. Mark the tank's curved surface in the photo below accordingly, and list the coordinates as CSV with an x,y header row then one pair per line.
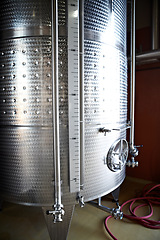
x,y
26,132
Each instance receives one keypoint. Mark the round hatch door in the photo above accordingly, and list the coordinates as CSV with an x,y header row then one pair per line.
x,y
117,155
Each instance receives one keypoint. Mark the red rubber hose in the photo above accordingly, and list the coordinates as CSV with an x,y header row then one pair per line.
x,y
150,196
106,226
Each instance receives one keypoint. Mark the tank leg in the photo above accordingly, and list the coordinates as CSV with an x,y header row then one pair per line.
x,y
115,194
59,231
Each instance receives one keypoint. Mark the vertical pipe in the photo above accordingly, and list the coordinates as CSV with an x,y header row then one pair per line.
x,y
132,87
155,25
81,49
55,110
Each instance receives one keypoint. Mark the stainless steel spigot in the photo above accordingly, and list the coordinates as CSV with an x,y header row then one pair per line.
x,y
57,213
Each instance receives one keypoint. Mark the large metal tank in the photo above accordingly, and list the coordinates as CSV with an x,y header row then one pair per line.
x,y
92,99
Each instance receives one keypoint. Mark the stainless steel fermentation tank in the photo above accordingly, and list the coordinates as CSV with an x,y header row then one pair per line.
x,y
63,103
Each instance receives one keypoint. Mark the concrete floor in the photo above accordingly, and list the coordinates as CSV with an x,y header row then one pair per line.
x,y
27,223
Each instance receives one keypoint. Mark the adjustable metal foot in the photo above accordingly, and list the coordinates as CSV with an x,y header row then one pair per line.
x,y
116,212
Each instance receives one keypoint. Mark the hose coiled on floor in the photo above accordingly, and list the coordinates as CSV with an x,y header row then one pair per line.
x,y
150,196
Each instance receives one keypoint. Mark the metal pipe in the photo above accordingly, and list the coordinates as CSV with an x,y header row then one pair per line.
x,y
132,148
81,49
148,56
55,112
132,86
155,25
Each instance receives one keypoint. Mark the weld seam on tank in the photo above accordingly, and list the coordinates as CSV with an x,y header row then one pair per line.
x,y
31,31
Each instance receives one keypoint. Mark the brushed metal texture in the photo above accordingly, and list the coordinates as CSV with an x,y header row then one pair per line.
x,y
26,133
26,166
26,121
24,13
26,91
105,91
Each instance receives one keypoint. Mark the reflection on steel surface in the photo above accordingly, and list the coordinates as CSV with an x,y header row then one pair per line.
x,y
26,125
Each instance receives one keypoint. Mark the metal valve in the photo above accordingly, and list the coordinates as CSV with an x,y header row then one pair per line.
x,y
132,163
80,199
57,213
134,153
116,213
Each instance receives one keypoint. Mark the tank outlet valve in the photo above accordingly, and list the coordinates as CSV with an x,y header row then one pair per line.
x,y
132,163
133,150
58,212
116,213
80,200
